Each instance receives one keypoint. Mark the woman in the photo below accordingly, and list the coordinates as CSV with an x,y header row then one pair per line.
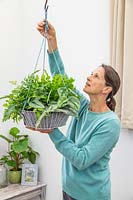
x,y
90,137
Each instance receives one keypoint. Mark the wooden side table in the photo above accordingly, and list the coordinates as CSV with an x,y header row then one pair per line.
x,y
19,192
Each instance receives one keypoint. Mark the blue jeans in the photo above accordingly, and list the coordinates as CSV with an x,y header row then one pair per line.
x,y
67,197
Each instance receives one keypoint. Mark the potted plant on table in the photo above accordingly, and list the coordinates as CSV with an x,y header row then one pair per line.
x,y
42,102
19,151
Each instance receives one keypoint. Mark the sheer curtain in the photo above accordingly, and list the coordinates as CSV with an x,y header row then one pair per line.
x,y
122,56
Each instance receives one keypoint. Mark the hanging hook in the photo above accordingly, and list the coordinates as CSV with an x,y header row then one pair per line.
x,y
46,6
46,28
46,9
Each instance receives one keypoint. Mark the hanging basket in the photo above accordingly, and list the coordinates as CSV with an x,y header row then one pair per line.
x,y
55,120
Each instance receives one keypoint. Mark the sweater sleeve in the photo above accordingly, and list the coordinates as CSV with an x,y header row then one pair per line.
x,y
101,142
56,63
57,66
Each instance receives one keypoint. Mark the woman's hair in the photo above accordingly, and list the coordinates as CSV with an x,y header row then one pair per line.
x,y
113,80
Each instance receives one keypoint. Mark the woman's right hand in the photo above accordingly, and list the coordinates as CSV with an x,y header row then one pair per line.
x,y
50,34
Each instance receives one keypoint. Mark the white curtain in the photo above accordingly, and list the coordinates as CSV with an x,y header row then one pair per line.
x,y
122,57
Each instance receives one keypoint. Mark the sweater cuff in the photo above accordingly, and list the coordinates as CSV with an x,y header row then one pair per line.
x,y
56,52
56,135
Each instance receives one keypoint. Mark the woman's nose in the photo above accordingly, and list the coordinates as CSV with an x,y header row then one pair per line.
x,y
89,78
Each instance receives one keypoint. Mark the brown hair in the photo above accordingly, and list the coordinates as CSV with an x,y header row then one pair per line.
x,y
113,80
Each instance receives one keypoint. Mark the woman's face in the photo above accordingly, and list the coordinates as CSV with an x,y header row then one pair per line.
x,y
95,82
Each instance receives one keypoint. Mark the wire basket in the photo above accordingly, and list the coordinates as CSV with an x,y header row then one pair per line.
x,y
54,120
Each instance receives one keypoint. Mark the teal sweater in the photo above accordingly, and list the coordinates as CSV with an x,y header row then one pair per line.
x,y
86,147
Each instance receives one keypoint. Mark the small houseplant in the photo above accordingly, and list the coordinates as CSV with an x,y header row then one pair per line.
x,y
19,151
42,96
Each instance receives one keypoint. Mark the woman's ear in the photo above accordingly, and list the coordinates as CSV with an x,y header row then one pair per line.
x,y
107,90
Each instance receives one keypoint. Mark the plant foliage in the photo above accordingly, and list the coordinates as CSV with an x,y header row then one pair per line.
x,y
19,150
42,95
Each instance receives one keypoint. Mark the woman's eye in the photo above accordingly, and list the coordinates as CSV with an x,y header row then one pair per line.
x,y
96,75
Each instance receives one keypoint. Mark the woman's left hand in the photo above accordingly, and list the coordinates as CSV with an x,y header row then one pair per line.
x,y
41,130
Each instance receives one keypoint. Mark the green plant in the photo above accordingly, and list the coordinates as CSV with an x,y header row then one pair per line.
x,y
19,150
42,95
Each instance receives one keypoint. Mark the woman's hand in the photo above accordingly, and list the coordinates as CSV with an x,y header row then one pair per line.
x,y
41,130
50,34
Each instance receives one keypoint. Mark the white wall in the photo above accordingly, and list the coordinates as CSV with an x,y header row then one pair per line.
x,y
10,53
83,38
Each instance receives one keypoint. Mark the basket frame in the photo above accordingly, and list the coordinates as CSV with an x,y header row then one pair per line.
x,y
54,120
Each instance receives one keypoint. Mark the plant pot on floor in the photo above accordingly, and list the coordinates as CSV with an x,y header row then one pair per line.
x,y
14,177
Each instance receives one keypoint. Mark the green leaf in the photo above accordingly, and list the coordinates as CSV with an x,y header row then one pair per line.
x,y
36,104
12,154
20,146
13,82
8,112
40,118
4,97
5,138
32,157
14,131
25,154
4,158
11,163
